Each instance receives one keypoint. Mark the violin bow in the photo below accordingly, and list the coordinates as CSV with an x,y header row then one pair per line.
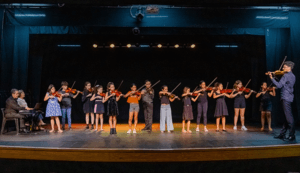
x,y
95,83
73,84
195,89
212,82
154,84
282,62
120,85
247,84
175,88
141,87
226,86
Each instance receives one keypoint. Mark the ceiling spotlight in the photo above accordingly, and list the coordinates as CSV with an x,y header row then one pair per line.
x,y
136,31
95,45
159,45
193,46
111,45
176,46
128,45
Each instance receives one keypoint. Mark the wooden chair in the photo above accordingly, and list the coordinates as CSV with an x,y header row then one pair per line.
x,y
9,119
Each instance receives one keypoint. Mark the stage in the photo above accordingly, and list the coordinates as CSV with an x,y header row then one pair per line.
x,y
86,145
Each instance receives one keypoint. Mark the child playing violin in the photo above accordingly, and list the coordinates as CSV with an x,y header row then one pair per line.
x,y
87,104
266,104
99,98
221,108
239,104
165,110
112,106
202,104
187,109
53,108
66,105
133,100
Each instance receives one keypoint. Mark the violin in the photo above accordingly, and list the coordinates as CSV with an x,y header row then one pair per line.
x,y
136,93
246,90
118,93
226,91
102,94
269,89
277,73
56,94
170,95
73,91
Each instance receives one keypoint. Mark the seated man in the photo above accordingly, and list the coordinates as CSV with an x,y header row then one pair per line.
x,y
12,109
39,119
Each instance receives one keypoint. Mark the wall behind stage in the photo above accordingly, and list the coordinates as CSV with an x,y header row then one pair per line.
x,y
134,65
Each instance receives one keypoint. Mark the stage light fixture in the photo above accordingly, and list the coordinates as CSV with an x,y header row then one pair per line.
x,y
128,45
95,45
136,31
159,45
176,46
139,15
193,46
111,45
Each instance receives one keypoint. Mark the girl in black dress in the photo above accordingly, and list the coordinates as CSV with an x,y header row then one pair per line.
x,y
87,104
239,104
221,107
266,104
112,106
99,98
187,109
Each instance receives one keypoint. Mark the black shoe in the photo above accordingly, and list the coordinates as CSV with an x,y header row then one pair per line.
x,y
224,130
217,130
280,136
92,127
144,129
115,131
290,138
111,131
63,127
87,127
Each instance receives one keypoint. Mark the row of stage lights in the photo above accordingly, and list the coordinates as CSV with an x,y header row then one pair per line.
x,y
158,46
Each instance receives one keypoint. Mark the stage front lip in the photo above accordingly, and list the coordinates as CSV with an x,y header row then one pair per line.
x,y
149,155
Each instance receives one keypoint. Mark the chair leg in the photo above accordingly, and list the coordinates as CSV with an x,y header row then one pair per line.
x,y
17,125
3,125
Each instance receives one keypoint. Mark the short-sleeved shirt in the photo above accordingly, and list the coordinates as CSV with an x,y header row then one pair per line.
x,y
66,100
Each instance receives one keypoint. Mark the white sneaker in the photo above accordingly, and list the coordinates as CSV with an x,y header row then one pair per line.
x,y
205,129
134,131
129,131
244,128
197,130
234,128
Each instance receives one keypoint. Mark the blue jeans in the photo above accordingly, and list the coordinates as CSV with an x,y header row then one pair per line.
x,y
166,115
64,112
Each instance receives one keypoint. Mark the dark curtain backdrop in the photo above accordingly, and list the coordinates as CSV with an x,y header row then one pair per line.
x,y
281,30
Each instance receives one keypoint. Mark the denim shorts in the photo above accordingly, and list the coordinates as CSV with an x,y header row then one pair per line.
x,y
134,107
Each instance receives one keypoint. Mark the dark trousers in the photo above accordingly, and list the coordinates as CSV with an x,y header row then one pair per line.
x,y
148,113
202,109
15,115
289,119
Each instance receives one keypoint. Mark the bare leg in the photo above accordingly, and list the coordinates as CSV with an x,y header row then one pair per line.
x,y
218,122
92,118
183,124
52,125
130,120
223,122
242,113
236,116
58,124
87,118
135,119
110,122
114,121
269,120
101,121
97,119
263,113
188,127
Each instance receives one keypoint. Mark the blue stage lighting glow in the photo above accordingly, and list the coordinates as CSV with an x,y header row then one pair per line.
x,y
272,17
69,45
30,15
226,46
144,45
157,16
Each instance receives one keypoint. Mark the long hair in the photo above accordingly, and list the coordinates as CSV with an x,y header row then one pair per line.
x,y
185,89
49,88
163,87
236,84
109,84
97,87
85,84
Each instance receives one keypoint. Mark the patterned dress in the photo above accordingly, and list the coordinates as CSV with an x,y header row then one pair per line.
x,y
53,108
99,106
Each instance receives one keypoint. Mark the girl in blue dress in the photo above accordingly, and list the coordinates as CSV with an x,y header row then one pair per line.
x,y
53,109
99,98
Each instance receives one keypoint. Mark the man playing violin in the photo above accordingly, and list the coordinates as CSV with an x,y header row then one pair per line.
x,y
287,84
147,98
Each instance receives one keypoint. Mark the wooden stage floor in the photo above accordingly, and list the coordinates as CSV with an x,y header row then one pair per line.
x,y
123,147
